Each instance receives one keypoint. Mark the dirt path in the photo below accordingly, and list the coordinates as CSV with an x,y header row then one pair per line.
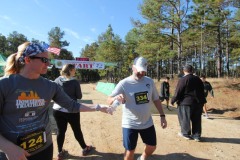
x,y
221,136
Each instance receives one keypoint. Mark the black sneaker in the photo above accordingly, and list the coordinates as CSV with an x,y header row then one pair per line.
x,y
87,150
63,154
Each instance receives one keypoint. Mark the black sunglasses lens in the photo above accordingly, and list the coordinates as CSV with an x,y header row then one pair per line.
x,y
44,60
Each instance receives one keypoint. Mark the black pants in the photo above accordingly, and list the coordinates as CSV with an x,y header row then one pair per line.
x,y
188,115
62,119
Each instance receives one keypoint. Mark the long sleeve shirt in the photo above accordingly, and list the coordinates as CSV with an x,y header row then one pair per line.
x,y
189,90
208,88
24,107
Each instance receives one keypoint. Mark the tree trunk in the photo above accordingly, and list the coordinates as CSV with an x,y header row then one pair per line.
x,y
227,51
219,54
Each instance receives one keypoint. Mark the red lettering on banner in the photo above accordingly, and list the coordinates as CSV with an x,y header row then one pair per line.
x,y
87,66
84,66
82,59
78,65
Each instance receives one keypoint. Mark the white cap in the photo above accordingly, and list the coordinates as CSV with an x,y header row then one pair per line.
x,y
140,64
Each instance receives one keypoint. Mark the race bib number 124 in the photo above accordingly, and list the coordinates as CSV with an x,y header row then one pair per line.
x,y
32,141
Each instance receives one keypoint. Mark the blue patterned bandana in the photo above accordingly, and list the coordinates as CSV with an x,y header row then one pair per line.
x,y
33,49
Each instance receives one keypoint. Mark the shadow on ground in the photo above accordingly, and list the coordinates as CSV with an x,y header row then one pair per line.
x,y
230,113
112,156
221,140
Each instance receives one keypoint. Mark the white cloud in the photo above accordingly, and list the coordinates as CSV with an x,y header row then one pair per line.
x,y
67,3
8,19
35,33
80,47
112,18
41,6
93,30
4,17
21,28
87,39
103,9
37,2
72,33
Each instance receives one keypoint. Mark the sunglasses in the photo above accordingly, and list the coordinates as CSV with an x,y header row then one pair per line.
x,y
43,59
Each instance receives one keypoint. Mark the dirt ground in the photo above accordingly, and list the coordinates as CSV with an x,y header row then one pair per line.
x,y
220,136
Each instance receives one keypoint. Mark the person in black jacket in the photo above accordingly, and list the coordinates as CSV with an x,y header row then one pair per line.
x,y
165,91
207,88
62,116
189,96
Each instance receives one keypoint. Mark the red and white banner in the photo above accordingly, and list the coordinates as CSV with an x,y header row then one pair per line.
x,y
82,59
80,64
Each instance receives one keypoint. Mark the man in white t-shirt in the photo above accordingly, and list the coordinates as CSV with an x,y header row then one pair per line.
x,y
138,92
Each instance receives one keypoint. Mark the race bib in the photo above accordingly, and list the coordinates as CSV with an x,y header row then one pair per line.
x,y
32,141
141,97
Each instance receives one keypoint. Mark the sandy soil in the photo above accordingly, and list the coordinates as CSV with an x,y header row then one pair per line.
x,y
220,136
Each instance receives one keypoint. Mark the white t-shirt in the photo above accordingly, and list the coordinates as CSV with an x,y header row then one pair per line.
x,y
139,95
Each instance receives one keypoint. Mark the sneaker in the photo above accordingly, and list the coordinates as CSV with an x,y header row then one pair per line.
x,y
197,139
183,136
62,155
169,108
86,150
205,116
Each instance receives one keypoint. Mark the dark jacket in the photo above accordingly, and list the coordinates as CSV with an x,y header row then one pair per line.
x,y
189,90
71,87
208,88
164,90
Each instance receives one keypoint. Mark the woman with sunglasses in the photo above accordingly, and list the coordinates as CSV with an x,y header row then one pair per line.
x,y
62,116
25,131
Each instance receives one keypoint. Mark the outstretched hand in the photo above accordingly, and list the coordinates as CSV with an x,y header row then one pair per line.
x,y
120,98
106,109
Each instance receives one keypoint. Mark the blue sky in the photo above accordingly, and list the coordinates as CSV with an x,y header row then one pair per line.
x,y
81,20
